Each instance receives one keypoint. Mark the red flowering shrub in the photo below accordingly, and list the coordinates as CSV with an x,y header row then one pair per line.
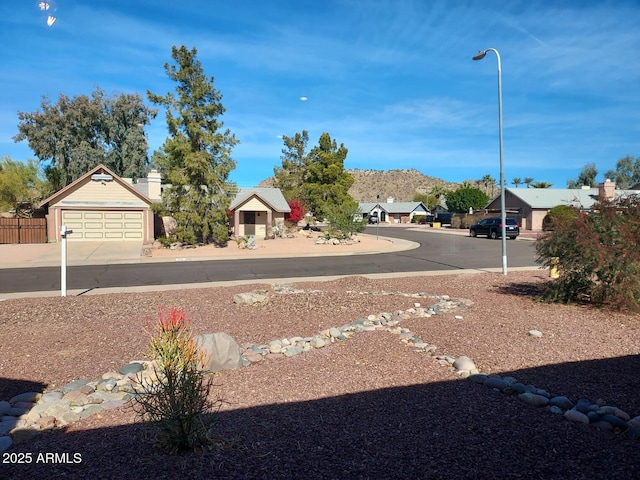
x,y
297,211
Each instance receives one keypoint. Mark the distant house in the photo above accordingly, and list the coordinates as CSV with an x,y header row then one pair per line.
x,y
101,206
393,212
255,210
531,205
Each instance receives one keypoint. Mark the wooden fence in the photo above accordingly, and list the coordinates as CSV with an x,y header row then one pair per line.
x,y
23,230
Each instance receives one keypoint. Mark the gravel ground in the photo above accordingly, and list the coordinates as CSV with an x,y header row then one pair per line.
x,y
367,407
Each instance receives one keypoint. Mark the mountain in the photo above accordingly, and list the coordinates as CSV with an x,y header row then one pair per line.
x,y
402,185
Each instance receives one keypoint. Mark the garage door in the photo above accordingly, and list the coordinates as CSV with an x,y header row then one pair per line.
x,y
103,225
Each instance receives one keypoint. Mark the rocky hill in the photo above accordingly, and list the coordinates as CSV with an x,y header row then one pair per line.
x,y
402,185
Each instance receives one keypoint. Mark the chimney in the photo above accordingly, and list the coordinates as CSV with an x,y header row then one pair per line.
x,y
607,189
154,181
389,199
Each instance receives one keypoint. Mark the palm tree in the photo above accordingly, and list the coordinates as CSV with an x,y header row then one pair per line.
x,y
488,181
541,185
438,191
516,181
528,181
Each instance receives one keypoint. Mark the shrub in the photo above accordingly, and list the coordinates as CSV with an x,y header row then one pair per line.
x,y
345,219
559,214
178,398
465,197
297,211
467,219
165,241
598,256
220,234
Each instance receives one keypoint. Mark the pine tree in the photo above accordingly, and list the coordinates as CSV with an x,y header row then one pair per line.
x,y
196,158
326,182
289,178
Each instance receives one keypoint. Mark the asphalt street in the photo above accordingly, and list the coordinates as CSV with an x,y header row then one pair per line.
x,y
436,253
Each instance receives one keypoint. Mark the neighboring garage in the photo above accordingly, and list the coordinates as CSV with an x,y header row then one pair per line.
x,y
104,224
100,206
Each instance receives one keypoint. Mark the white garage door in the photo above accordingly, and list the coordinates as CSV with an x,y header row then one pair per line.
x,y
103,225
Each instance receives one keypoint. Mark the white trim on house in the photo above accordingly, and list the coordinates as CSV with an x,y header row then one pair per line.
x,y
100,206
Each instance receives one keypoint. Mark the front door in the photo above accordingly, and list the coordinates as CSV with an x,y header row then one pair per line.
x,y
249,223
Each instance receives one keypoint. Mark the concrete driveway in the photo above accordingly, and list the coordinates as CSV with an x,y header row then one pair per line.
x,y
78,253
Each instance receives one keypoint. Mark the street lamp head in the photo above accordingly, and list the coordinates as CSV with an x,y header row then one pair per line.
x,y
480,55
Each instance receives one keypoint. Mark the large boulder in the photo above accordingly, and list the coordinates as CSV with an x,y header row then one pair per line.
x,y
251,298
221,351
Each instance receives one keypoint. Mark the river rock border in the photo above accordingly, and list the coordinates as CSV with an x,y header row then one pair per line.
x,y
28,414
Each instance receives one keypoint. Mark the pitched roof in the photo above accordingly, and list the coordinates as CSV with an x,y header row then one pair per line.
x,y
404,207
546,198
271,196
366,207
392,207
100,169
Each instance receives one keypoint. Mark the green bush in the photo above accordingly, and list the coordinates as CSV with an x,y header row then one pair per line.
x,y
178,398
165,241
464,198
345,220
557,215
220,234
598,256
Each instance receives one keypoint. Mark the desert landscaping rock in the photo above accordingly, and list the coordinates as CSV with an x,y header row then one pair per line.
x,y
220,350
534,399
250,298
76,384
464,363
133,367
561,402
31,412
26,397
576,416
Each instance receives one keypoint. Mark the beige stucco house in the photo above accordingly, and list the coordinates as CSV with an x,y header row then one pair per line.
x,y
531,205
101,206
393,212
255,210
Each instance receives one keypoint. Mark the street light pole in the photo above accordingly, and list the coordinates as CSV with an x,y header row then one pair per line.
x,y
378,222
479,56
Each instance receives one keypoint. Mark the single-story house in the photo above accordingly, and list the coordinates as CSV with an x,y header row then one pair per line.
x,y
533,204
255,210
393,212
101,206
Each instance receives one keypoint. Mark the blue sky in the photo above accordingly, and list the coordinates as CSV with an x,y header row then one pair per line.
x,y
392,80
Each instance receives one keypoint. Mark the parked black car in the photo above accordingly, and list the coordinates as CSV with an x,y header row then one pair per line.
x,y
492,228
